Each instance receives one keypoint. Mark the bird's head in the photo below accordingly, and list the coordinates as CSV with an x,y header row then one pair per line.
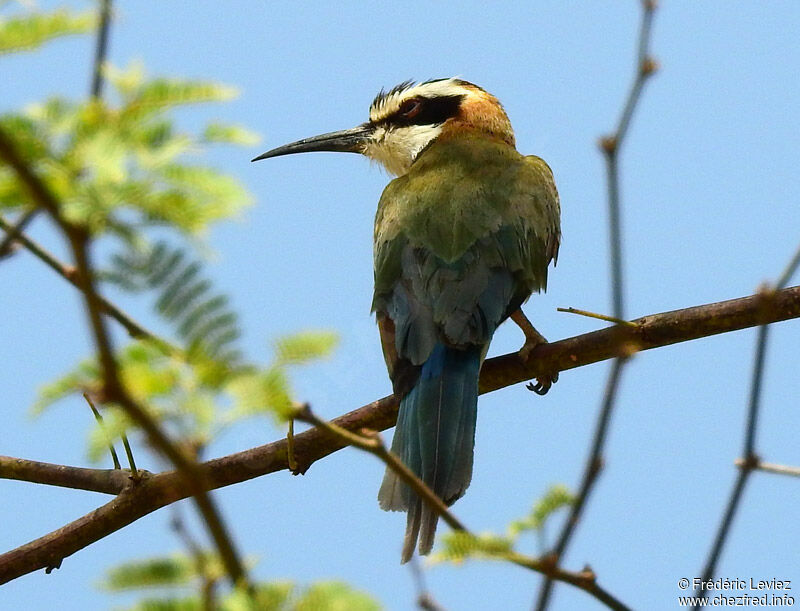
x,y
405,120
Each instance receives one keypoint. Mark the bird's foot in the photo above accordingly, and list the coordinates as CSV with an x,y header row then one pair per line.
x,y
533,339
543,383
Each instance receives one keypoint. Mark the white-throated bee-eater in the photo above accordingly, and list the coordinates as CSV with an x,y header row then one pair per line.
x,y
463,236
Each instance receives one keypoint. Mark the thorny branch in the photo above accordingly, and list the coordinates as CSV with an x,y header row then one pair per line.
x,y
750,460
610,145
156,491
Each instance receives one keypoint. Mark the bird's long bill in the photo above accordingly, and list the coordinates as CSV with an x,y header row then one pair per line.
x,y
344,141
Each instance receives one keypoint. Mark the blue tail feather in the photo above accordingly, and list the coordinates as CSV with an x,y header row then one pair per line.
x,y
435,436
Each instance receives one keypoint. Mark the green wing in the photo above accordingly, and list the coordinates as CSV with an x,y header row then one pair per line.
x,y
461,241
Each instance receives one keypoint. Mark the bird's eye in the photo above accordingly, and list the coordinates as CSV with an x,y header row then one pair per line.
x,y
410,108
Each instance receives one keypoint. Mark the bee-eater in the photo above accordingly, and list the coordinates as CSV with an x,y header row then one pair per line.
x,y
463,236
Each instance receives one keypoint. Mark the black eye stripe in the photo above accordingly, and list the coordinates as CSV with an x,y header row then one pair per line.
x,y
434,111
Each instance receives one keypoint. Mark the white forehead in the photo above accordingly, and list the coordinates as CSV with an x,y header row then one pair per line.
x,y
387,103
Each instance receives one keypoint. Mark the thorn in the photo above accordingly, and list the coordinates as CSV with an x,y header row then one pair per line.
x,y
608,144
649,66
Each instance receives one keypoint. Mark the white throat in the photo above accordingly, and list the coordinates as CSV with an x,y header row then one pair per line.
x,y
397,148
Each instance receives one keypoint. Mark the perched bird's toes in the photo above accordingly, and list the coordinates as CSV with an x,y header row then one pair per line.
x,y
543,384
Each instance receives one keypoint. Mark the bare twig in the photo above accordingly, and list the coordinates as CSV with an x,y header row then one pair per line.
x,y
101,49
750,460
200,557
610,145
134,329
370,441
768,467
99,419
588,314
8,244
425,600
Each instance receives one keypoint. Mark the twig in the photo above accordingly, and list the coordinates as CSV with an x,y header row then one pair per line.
x,y
101,49
134,329
610,145
373,443
750,460
99,419
114,390
769,467
156,491
200,559
425,600
7,244
107,481
290,447
588,314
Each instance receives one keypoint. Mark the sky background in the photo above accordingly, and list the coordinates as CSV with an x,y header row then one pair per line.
x,y
710,193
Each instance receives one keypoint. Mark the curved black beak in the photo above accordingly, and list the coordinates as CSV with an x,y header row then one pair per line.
x,y
344,141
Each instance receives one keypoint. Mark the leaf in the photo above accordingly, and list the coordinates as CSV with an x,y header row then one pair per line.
x,y
334,596
272,596
188,603
458,546
31,31
85,377
174,570
263,392
162,93
556,497
230,134
305,346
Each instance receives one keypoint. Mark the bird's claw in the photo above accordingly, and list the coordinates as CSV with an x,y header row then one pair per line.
x,y
543,384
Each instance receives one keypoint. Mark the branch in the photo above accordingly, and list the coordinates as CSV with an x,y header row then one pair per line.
x,y
750,460
610,145
108,481
155,491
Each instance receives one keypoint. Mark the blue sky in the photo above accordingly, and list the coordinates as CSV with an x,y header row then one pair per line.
x,y
710,193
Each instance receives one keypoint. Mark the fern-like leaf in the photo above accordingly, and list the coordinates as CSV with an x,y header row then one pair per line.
x,y
31,31
203,320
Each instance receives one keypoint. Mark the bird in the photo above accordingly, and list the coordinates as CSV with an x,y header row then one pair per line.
x,y
463,235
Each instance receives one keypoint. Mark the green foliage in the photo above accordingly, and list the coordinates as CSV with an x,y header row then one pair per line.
x,y
106,161
27,32
229,134
193,395
174,570
203,319
303,347
269,390
334,596
458,546
556,497
180,573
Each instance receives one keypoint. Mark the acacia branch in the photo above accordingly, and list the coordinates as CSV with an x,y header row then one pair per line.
x,y
610,145
156,491
750,460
